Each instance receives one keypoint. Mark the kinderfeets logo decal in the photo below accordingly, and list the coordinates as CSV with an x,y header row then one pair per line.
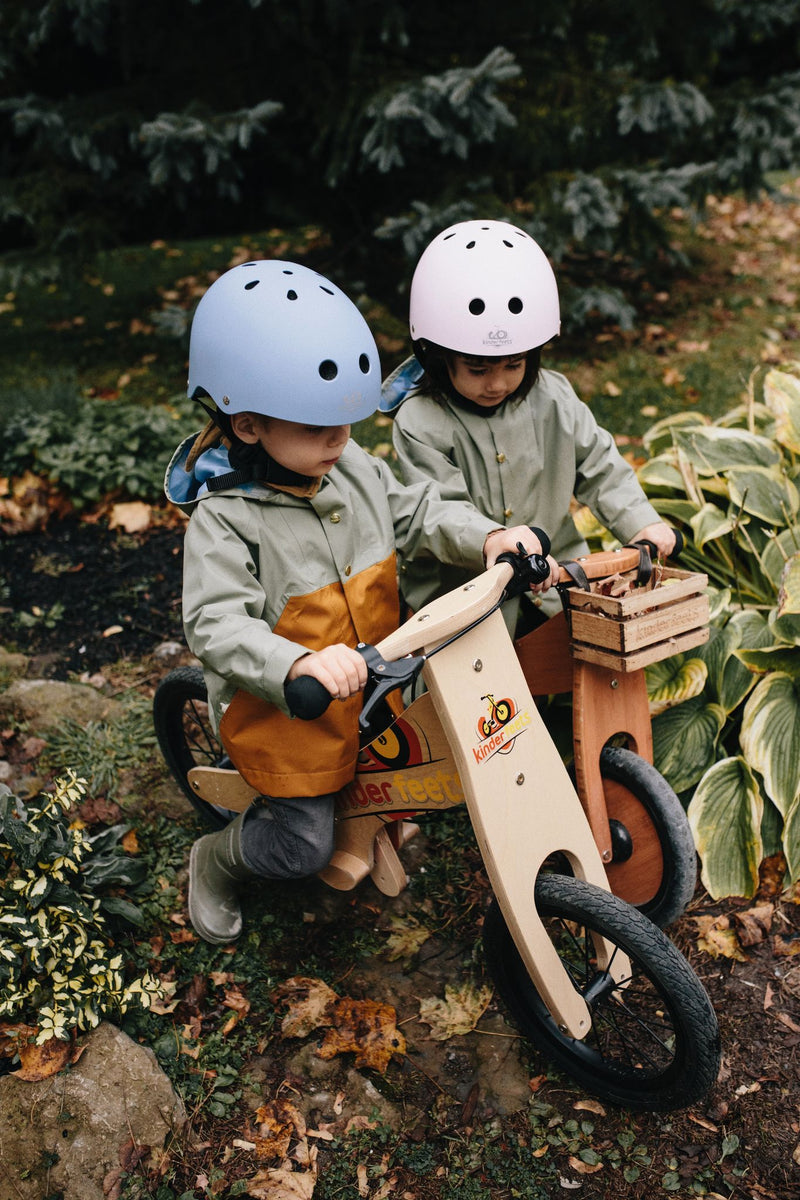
x,y
499,727
496,337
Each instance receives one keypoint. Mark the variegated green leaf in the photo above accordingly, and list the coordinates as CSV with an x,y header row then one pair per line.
x,y
789,592
765,493
660,473
778,551
719,603
770,736
673,681
673,509
713,449
782,397
659,437
785,629
710,523
725,818
791,839
728,678
685,741
773,658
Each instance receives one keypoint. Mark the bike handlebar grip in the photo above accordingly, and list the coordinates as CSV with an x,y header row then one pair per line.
x,y
306,697
680,542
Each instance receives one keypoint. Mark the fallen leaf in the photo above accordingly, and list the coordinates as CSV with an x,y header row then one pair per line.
x,y
130,843
458,1013
717,938
787,1021
278,1123
611,389
537,1081
786,947
132,516
754,924
361,1176
405,939
309,1001
39,1062
593,1106
768,994
368,1029
282,1183
583,1168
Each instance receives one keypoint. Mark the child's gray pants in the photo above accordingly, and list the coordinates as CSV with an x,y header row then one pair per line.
x,y
288,838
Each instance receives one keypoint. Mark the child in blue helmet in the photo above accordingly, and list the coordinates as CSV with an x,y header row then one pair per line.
x,y
290,558
478,414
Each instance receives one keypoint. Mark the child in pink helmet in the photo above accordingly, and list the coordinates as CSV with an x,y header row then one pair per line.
x,y
475,411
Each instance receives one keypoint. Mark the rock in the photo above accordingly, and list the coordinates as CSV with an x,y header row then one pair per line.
x,y
43,704
12,666
67,1134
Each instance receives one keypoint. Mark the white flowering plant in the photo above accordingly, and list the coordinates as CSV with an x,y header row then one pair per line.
x,y
59,968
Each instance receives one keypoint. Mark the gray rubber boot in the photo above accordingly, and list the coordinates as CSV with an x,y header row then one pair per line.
x,y
216,868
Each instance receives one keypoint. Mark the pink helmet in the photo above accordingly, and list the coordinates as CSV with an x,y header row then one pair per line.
x,y
484,288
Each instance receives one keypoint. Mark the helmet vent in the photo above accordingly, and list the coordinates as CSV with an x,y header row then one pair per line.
x,y
470,245
476,307
291,294
363,362
447,237
253,283
509,244
286,272
328,369
515,305
328,290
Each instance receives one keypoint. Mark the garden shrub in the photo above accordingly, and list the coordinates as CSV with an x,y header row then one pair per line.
x,y
728,712
59,968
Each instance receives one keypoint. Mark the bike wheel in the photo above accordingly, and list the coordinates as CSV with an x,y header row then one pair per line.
x,y
654,1044
655,862
186,737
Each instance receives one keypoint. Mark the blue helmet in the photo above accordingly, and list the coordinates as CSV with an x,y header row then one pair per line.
x,y
279,339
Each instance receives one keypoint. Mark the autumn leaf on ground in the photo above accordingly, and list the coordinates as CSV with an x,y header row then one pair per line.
x,y
458,1013
406,938
278,1122
309,1002
753,925
717,938
133,516
282,1183
365,1028
40,1062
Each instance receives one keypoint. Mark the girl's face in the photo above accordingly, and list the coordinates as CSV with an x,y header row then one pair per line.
x,y
486,381
308,449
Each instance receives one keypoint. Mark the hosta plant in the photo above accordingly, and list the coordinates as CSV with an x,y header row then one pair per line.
x,y
59,968
727,724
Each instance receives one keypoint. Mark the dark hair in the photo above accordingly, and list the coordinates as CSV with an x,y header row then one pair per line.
x,y
437,376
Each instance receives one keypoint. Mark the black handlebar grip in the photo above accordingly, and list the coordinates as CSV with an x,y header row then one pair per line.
x,y
680,542
306,697
539,568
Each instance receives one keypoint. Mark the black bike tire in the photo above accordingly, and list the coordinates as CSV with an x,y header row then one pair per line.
x,y
662,978
665,813
180,698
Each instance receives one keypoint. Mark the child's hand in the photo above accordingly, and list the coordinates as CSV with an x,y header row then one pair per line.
x,y
338,668
661,535
504,541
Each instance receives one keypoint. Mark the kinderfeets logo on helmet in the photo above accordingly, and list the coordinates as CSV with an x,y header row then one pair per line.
x,y
496,337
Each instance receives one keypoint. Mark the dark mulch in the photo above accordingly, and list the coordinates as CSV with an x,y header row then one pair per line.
x,y
80,596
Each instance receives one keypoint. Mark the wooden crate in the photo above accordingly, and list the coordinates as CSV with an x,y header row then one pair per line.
x,y
629,632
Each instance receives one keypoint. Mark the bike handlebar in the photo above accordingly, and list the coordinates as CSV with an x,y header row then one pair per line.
x,y
308,699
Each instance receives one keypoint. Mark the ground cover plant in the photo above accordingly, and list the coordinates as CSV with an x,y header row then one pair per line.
x,y
99,601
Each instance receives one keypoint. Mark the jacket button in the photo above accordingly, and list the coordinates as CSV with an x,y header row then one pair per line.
x,y
501,458
348,569
508,512
335,518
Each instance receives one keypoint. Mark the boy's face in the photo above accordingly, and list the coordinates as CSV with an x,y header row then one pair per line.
x,y
486,381
307,449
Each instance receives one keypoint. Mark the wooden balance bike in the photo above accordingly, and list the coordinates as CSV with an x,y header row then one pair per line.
x,y
584,974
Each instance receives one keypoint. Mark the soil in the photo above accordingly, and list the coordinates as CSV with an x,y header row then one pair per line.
x,y
95,597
